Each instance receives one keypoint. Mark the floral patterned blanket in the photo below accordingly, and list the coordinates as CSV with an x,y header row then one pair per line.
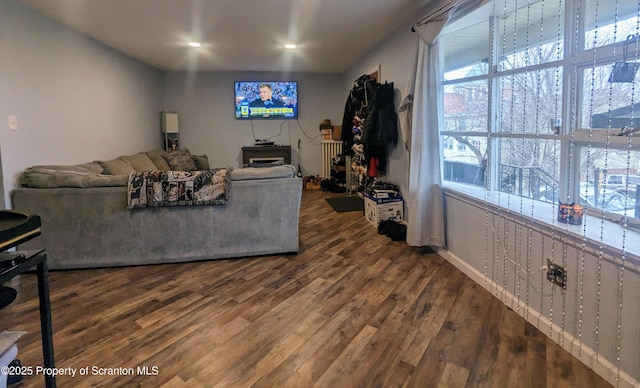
x,y
178,188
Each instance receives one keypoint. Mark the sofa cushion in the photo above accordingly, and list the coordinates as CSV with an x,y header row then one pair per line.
x,y
158,160
116,167
249,173
180,160
92,167
44,177
77,168
140,162
202,162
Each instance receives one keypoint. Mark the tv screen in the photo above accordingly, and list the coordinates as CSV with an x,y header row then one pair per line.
x,y
263,100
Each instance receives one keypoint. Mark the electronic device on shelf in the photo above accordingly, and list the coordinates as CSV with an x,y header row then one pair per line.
x,y
263,142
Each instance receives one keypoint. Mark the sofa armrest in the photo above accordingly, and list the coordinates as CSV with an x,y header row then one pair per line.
x,y
251,173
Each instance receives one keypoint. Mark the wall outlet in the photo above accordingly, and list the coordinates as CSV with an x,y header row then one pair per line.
x,y
13,123
556,274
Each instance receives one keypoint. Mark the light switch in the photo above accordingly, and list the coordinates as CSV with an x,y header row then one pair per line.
x,y
13,123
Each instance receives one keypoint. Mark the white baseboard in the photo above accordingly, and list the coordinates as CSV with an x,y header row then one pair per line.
x,y
586,355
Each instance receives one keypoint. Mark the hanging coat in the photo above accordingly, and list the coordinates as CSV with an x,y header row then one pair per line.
x,y
358,102
381,126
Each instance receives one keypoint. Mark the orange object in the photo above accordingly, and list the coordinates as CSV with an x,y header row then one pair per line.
x,y
570,213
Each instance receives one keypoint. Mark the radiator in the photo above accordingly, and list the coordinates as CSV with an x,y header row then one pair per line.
x,y
330,148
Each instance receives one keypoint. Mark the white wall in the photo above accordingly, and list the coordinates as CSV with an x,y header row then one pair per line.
x,y
206,113
76,100
504,251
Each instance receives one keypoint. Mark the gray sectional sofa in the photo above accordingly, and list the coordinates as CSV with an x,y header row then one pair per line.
x,y
85,221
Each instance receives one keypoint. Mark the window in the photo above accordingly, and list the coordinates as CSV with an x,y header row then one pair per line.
x,y
604,24
609,179
466,100
607,104
540,100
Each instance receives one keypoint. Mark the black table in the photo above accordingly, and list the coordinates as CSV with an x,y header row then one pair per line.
x,y
16,228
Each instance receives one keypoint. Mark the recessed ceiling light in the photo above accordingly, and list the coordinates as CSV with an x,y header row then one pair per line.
x,y
290,46
194,44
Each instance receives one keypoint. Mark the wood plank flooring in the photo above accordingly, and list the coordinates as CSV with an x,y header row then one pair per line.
x,y
352,309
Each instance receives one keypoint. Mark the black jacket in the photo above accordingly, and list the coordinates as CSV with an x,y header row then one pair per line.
x,y
358,104
381,125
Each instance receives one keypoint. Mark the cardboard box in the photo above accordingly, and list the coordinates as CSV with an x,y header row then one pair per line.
x,y
377,210
326,134
337,132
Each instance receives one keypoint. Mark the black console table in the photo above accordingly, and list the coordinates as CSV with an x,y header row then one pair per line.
x,y
266,154
16,228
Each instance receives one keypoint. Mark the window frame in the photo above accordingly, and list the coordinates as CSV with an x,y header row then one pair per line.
x,y
572,136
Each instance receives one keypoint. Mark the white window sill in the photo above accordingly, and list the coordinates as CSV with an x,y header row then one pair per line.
x,y
595,232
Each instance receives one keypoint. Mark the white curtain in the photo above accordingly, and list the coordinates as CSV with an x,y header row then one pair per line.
x,y
425,205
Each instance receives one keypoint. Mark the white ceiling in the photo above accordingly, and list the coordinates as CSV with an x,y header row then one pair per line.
x,y
239,35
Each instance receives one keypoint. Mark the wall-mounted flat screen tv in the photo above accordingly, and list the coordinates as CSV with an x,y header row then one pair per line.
x,y
266,100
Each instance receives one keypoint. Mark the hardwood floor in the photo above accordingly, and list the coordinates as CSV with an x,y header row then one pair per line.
x,y
353,308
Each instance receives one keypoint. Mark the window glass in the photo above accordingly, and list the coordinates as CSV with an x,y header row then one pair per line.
x,y
529,168
464,159
531,35
466,51
608,22
531,102
465,107
609,179
609,104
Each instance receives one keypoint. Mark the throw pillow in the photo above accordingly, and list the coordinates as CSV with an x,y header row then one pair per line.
x,y
158,160
116,167
202,162
140,162
180,160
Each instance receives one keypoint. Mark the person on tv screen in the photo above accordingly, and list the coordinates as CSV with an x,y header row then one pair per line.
x,y
266,102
